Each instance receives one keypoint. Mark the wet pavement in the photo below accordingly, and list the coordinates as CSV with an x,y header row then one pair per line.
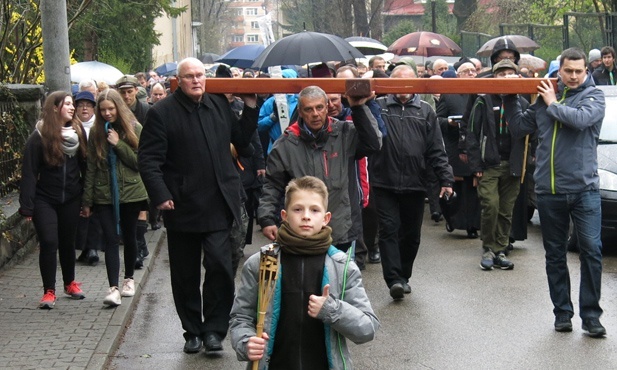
x,y
75,334
457,317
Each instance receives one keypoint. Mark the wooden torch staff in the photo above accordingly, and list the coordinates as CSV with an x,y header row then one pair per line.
x,y
359,86
268,274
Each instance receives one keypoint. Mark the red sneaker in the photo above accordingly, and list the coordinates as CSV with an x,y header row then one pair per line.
x,y
49,299
74,290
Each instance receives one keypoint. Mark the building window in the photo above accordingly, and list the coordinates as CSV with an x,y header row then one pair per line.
x,y
255,25
251,11
240,11
237,38
252,38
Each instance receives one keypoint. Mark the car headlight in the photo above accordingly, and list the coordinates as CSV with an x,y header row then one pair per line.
x,y
608,180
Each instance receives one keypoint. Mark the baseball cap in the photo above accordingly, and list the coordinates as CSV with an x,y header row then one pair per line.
x,y
85,95
126,81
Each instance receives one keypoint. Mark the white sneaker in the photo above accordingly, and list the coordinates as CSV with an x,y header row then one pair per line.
x,y
128,288
113,298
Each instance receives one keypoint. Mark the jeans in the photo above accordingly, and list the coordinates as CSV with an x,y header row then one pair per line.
x,y
555,213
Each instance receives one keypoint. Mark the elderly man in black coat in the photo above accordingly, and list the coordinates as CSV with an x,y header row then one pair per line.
x,y
186,164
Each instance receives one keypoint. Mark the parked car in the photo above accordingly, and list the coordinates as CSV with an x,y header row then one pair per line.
x,y
607,169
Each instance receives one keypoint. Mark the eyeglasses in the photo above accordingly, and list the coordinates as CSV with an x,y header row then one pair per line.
x,y
84,105
468,72
512,58
198,76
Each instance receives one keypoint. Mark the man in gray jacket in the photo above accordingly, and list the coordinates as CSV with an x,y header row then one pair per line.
x,y
568,123
324,147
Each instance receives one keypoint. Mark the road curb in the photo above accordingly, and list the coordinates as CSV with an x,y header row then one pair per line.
x,y
124,313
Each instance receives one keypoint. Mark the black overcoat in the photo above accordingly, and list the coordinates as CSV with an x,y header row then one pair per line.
x,y
172,150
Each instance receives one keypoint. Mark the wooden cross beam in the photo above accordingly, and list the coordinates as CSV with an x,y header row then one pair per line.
x,y
379,85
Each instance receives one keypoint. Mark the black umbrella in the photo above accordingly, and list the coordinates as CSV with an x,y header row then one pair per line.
x,y
306,47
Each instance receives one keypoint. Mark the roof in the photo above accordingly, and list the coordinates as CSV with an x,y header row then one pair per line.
x,y
406,7
416,7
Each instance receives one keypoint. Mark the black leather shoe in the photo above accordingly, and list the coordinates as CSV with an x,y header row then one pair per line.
x,y
213,343
406,288
192,345
397,291
93,257
436,216
374,257
472,234
83,256
155,226
139,262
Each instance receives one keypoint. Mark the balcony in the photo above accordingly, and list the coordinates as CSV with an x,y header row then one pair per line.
x,y
237,31
239,18
235,44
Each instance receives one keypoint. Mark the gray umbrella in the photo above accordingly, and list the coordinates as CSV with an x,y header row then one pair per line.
x,y
306,47
367,45
523,44
208,58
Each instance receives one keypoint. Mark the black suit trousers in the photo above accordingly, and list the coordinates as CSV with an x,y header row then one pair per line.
x,y
208,312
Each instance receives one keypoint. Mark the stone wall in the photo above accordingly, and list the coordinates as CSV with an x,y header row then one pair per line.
x,y
17,236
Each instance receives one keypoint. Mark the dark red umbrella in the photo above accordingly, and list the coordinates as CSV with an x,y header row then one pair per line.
x,y
426,44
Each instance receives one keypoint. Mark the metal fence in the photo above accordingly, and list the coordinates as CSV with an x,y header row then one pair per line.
x,y
550,38
472,41
583,30
590,30
13,136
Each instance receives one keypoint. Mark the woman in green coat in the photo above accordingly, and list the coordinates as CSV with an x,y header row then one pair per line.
x,y
114,189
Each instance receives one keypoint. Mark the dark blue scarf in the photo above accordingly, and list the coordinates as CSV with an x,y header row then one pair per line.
x,y
112,159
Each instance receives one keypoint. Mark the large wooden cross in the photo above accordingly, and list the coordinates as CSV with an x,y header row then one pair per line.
x,y
379,85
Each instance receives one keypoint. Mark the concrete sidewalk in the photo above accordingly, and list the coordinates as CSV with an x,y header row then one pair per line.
x,y
73,335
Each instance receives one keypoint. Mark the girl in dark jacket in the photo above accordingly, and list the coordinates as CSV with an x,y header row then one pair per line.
x,y
51,189
114,188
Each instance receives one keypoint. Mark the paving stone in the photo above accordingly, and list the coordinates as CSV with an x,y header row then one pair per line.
x,y
67,336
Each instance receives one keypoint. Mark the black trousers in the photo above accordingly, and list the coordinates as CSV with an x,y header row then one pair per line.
x,y
207,313
128,225
370,222
251,205
400,224
89,233
56,226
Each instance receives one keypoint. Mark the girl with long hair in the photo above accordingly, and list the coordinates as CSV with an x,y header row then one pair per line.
x,y
51,188
114,189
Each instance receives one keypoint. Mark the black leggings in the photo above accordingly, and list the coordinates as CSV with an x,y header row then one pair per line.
x,y
128,224
56,226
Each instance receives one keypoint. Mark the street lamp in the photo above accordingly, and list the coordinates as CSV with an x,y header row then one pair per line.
x,y
433,23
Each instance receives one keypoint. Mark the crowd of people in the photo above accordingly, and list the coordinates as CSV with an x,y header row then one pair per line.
x,y
334,181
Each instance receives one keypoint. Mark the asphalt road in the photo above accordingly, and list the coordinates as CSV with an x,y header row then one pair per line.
x,y
457,317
